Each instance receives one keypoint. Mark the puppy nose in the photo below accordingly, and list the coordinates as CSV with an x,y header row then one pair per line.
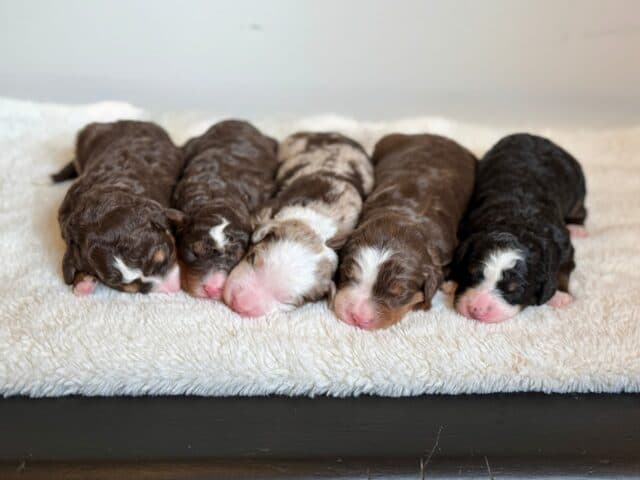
x,y
212,292
244,305
360,316
480,312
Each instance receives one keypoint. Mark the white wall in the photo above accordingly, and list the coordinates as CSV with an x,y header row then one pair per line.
x,y
566,60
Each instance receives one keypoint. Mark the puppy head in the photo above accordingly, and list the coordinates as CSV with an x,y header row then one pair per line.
x,y
287,264
498,275
377,286
128,247
210,244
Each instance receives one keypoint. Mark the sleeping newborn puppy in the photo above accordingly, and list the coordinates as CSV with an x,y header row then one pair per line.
x,y
115,219
229,171
394,260
321,183
515,245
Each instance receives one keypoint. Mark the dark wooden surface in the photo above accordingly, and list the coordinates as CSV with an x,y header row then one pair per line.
x,y
499,436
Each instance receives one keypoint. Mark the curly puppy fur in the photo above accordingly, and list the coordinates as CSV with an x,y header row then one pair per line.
x,y
229,172
515,243
115,218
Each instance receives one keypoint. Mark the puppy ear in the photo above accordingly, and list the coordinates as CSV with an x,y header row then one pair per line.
x,y
545,290
432,280
546,276
460,253
417,302
331,295
337,241
262,231
69,269
261,217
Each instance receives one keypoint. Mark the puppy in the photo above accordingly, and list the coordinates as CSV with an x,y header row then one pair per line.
x,y
229,171
395,259
321,183
515,248
115,219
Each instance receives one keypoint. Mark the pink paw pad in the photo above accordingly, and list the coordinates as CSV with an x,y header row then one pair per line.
x,y
86,286
577,231
560,299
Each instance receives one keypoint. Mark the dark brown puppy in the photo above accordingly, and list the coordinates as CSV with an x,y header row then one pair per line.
x,y
229,172
395,259
115,219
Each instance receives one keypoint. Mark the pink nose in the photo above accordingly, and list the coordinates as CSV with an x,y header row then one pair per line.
x,y
361,315
480,312
212,292
243,303
214,286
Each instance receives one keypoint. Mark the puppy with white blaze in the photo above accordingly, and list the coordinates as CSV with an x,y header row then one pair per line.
x,y
396,258
321,183
515,248
229,172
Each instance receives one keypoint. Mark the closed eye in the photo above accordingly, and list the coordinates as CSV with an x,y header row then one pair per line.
x,y
512,286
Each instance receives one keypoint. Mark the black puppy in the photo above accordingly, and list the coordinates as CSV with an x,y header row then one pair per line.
x,y
515,248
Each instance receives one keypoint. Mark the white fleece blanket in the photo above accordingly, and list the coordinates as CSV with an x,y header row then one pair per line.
x,y
53,343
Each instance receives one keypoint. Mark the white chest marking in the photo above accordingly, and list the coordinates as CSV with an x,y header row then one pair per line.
x,y
217,233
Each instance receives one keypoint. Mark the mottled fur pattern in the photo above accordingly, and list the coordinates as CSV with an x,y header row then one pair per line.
x,y
327,173
321,182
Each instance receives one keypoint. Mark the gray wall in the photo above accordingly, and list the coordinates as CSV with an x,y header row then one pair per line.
x,y
552,60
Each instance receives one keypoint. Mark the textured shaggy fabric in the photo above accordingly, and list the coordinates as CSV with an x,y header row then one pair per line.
x,y
53,343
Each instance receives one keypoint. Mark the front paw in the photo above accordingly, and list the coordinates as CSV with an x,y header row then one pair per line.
x,y
84,284
449,287
560,299
577,231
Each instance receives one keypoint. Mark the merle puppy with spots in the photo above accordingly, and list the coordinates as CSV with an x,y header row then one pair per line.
x,y
229,172
395,259
515,248
115,218
321,184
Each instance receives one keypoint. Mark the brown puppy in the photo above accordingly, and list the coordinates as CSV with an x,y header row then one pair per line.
x,y
395,259
229,172
115,219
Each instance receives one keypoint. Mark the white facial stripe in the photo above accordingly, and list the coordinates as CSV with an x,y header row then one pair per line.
x,y
369,259
495,265
217,233
132,274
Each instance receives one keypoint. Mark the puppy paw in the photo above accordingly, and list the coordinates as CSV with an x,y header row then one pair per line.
x,y
85,285
577,231
560,299
449,287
